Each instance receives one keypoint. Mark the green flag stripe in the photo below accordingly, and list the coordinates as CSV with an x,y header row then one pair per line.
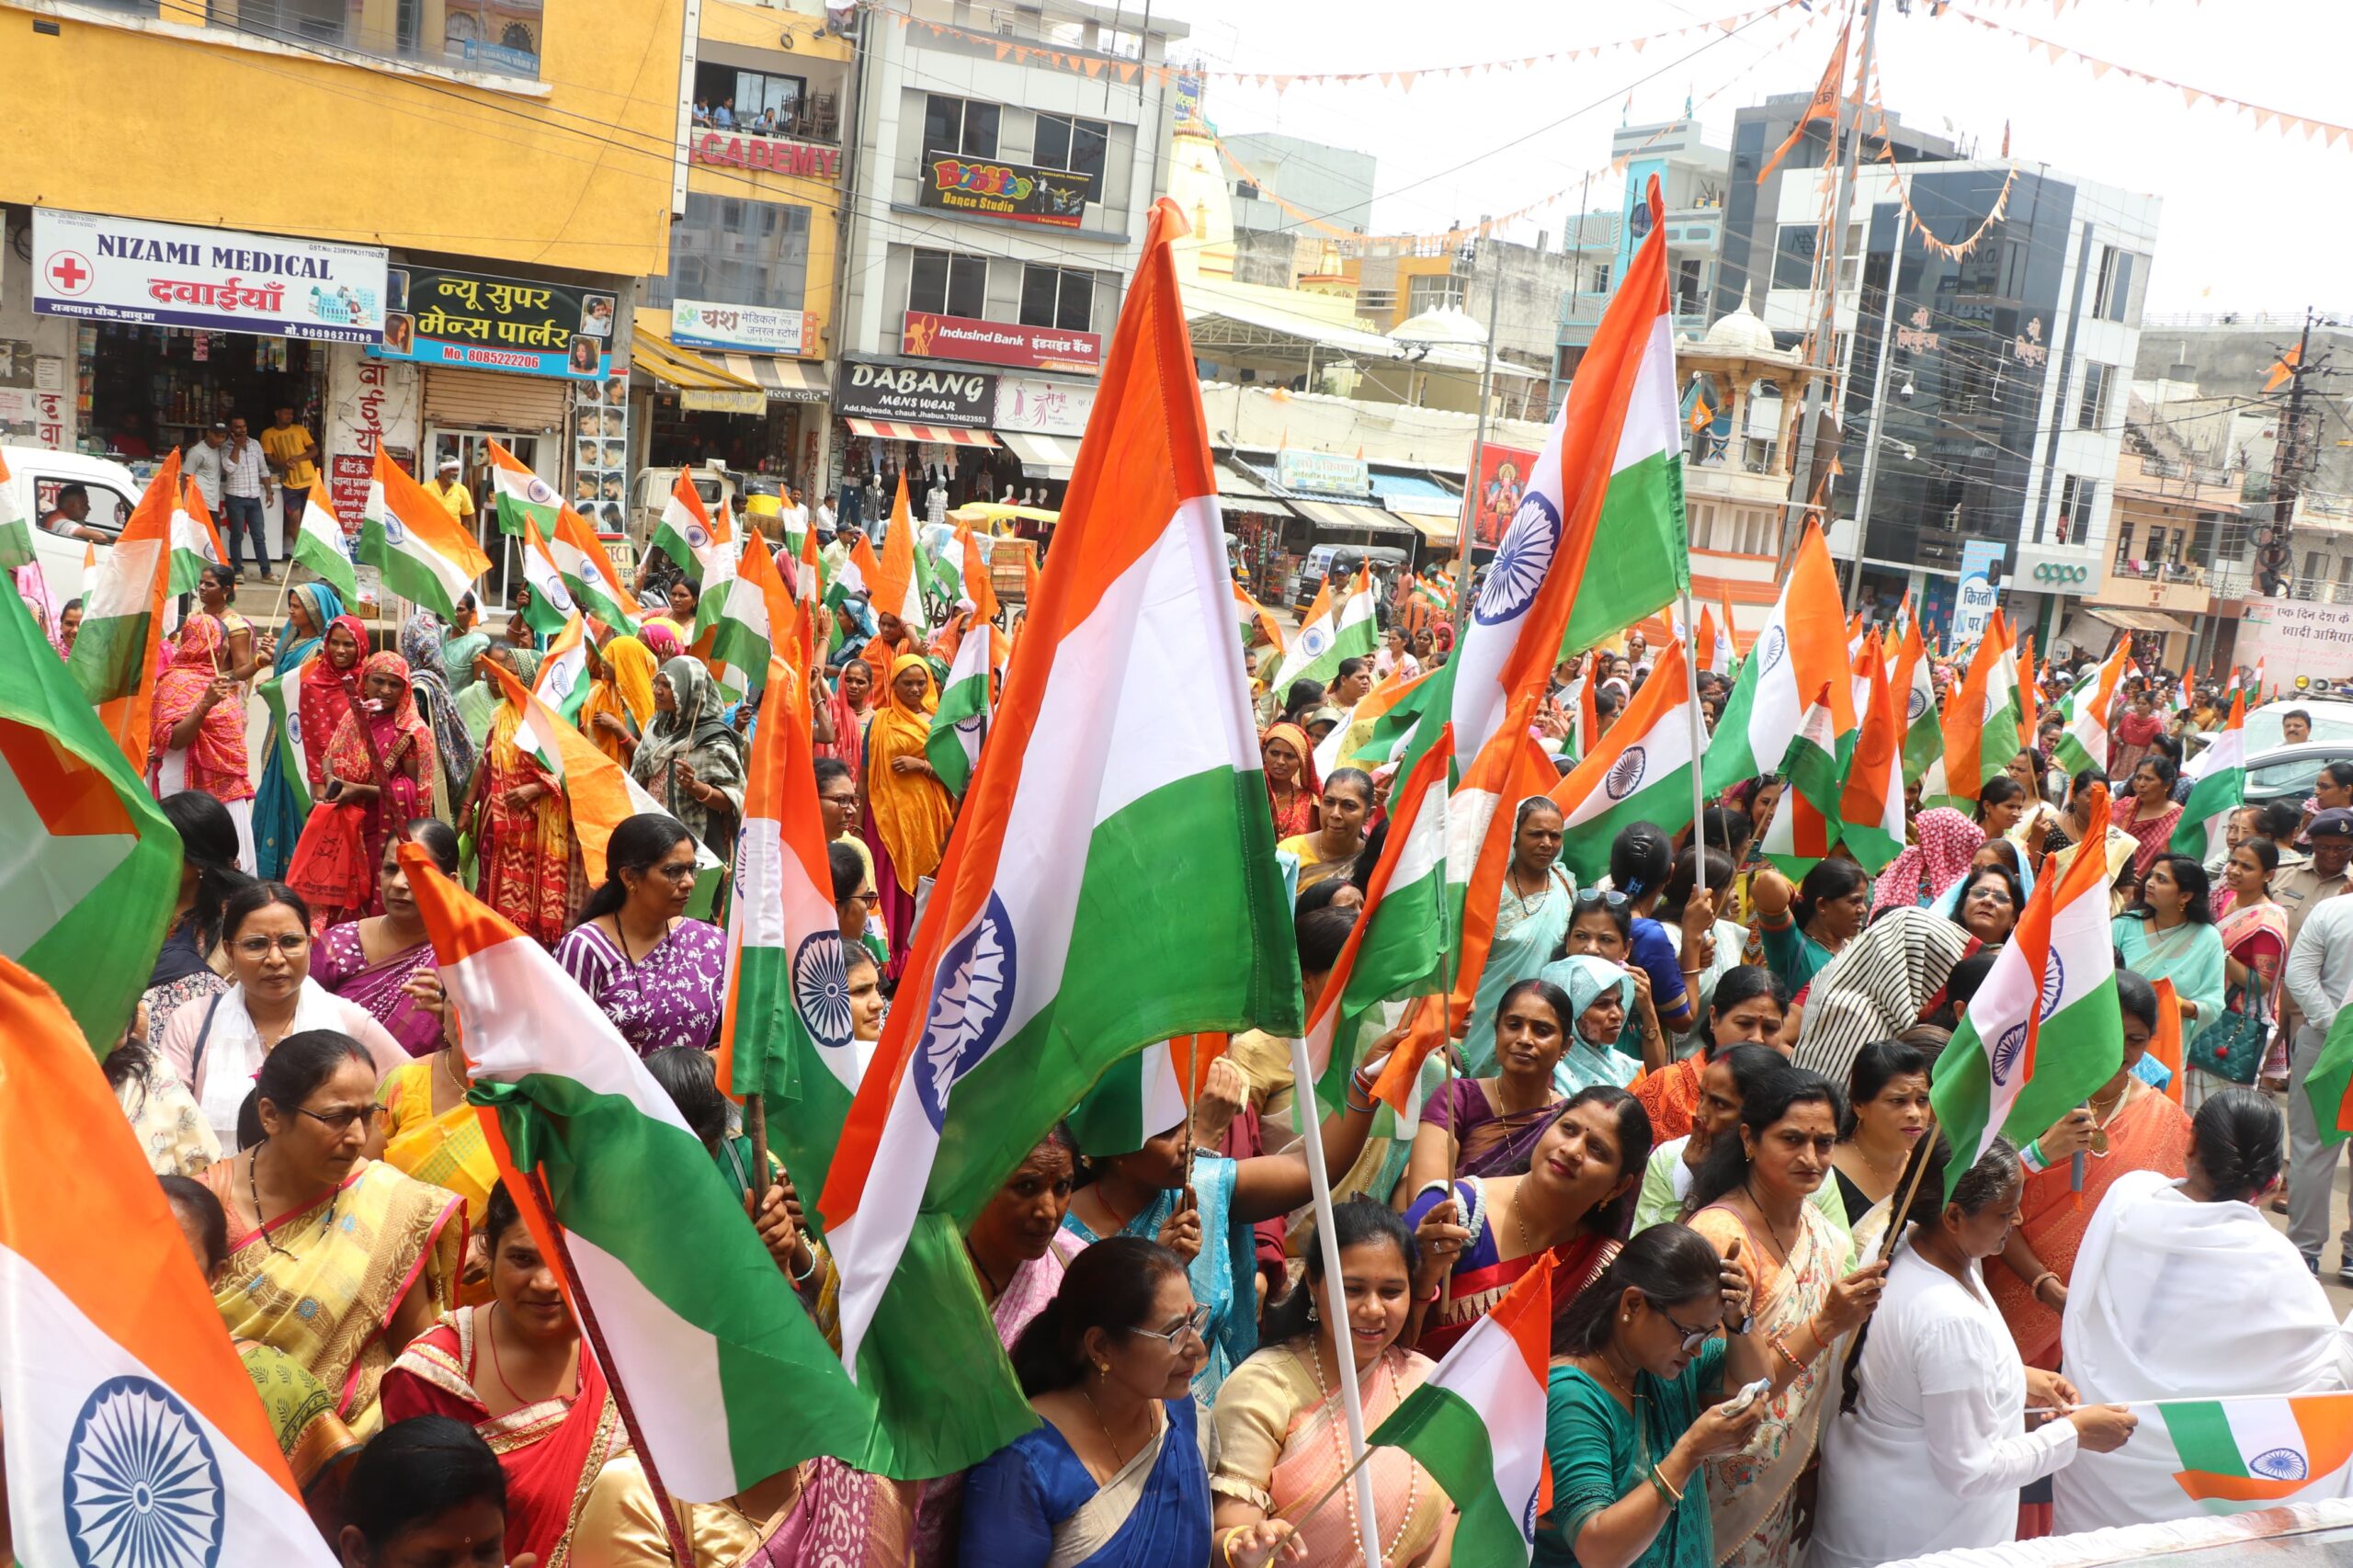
x,y
2202,1438
1645,559
1452,1443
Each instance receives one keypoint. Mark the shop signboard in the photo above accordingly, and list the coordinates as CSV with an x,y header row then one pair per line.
x,y
1326,473
438,317
753,329
865,390
1503,479
1020,192
217,279
2292,638
372,406
724,400
30,417
1978,592
926,336
1041,407
776,155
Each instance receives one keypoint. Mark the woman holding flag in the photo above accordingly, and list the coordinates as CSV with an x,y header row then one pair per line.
x,y
2169,934
311,611
1332,849
1489,1127
385,962
197,738
522,830
1531,919
435,704
381,760
655,972
909,811
689,759
620,703
1805,926
1292,791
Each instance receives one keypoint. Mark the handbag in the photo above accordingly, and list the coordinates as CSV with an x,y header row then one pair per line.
x,y
330,868
2232,1047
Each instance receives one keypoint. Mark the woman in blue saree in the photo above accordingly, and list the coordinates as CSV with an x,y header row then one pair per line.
x,y
277,816
1532,918
1114,1477
2169,934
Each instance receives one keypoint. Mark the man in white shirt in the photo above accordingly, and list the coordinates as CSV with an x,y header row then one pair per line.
x,y
793,514
2320,970
244,492
203,465
826,516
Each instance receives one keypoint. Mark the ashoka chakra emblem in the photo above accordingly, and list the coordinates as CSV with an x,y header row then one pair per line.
x,y
1917,705
1992,707
2280,1464
698,535
1520,563
1314,639
1775,642
971,997
395,531
558,595
820,989
539,493
2006,1052
143,1489
2054,984
1626,775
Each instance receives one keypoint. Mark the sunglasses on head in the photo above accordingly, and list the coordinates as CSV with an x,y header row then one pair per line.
x,y
1596,898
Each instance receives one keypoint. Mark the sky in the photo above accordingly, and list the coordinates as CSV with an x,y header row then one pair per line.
x,y
2252,220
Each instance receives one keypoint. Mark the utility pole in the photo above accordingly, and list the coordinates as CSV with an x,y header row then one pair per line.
x,y
1879,419
2288,459
1478,448
1825,329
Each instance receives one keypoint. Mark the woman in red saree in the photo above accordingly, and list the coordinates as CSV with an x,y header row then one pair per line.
x,y
197,736
518,1372
382,761
1292,787
1477,1235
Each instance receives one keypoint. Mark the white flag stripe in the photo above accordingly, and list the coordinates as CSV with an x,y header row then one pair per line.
x,y
1486,1371
558,1030
2265,1426
671,1369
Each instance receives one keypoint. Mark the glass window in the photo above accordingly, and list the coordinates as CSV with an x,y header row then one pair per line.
x,y
2091,409
1433,291
1058,297
734,252
761,102
2074,520
958,125
2121,279
1077,146
943,283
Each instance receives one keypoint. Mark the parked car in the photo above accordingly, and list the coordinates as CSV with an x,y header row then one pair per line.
x,y
1338,561
36,475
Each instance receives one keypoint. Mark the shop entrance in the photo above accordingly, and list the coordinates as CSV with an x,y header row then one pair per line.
x,y
541,454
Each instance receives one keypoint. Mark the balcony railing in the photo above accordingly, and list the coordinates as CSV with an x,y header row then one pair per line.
x,y
2160,571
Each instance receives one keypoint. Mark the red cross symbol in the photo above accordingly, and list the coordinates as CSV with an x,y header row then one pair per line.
x,y
69,273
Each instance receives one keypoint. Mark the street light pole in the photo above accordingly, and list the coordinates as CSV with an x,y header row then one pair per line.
x,y
1879,420
1478,451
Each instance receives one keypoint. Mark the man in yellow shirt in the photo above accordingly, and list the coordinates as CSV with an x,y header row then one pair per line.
x,y
451,493
293,455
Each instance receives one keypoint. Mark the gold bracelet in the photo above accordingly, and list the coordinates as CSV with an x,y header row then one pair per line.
x,y
1225,1543
1658,1479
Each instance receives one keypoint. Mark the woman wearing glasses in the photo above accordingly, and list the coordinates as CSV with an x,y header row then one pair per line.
x,y
1114,1475
654,971
214,1047
335,1259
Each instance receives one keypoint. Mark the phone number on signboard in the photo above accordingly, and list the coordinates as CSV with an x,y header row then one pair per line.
x,y
155,318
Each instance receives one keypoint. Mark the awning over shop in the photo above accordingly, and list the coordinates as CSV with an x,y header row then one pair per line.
x,y
947,435
682,370
2137,620
785,381
1344,518
1234,483
1043,457
1432,527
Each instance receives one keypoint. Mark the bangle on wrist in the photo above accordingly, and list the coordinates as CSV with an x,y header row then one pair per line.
x,y
2032,1156
2035,1289
1665,1489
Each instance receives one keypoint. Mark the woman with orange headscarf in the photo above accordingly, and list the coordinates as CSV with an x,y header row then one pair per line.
x,y
383,759
620,703
197,736
909,811
1292,791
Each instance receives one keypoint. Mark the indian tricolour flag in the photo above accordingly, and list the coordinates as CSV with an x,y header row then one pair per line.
x,y
122,618
1870,805
859,572
2043,1031
1477,1424
1023,983
91,867
898,584
1912,681
1399,945
196,543
562,681
281,696
1981,722
551,604
318,544
750,617
2329,1083
960,723
2085,742
731,1381
720,563
1249,610
1374,729
1613,456
1802,647
16,528
520,494
1140,1097
1640,771
1805,823
1348,633
588,572
2241,1451
135,1434
684,531
2217,786
425,554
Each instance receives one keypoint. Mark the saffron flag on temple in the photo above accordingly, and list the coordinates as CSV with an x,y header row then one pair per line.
x,y
117,651
520,494
2217,787
1023,984
730,1381
1870,803
134,1432
91,867
1614,454
1802,647
318,544
588,572
1823,105
425,554
2043,1031
1640,771
1476,1424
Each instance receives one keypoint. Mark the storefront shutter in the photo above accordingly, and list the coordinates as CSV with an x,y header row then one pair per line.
x,y
487,400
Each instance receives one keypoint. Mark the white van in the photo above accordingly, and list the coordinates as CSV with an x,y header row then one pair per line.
x,y
36,477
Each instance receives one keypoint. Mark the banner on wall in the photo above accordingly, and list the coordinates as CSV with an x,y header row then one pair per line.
x,y
2294,637
1043,407
1020,192
218,279
1503,477
600,455
1978,591
925,334
755,329
438,317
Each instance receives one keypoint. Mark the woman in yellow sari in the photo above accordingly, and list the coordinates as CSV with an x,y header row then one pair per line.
x,y
620,703
909,811
335,1259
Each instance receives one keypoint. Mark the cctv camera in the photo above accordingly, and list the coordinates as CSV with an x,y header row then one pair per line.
x,y
1906,390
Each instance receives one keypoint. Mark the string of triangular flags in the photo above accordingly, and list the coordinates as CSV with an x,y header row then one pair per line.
x,y
1093,63
2264,118
1950,250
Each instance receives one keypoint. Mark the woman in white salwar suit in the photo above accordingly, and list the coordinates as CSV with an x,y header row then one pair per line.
x,y
2183,1290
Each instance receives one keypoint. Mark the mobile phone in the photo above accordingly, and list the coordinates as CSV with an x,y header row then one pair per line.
x,y
1749,1394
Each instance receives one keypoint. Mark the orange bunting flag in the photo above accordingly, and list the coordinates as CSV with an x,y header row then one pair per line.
x,y
1823,107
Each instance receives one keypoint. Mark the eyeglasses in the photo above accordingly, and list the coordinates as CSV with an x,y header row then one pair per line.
x,y
1692,1337
343,1121
848,800
679,873
1194,1323
259,946
1593,898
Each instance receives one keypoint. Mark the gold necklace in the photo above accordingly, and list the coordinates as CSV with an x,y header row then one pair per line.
x,y
1119,1462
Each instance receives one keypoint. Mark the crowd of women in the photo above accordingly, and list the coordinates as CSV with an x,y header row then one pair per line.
x,y
1696,1091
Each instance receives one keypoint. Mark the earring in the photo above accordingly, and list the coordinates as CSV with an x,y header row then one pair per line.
x,y
1311,1313
1102,1368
